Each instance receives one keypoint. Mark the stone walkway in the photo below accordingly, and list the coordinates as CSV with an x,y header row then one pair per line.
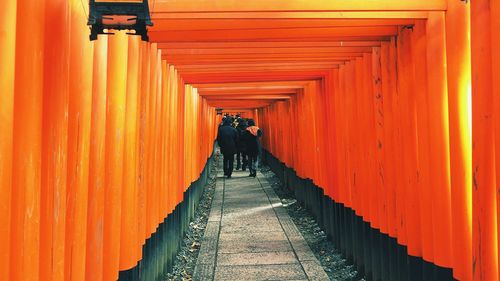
x,y
249,236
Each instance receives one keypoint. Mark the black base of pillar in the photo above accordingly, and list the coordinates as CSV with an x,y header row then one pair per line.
x,y
376,255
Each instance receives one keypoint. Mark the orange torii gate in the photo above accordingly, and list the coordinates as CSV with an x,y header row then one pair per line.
x,y
393,105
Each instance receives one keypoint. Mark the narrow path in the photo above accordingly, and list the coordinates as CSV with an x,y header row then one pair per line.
x,y
249,236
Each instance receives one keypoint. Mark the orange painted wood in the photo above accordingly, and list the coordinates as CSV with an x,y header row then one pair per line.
x,y
388,84
294,15
378,103
263,5
484,186
257,44
244,24
439,139
139,149
495,58
295,34
27,141
458,54
129,225
55,142
144,143
115,141
408,117
151,184
419,49
95,218
7,68
80,107
165,204
379,122
370,140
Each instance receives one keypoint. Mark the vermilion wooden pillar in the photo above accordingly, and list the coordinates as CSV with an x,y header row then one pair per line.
x,y
388,90
495,59
152,202
419,50
484,186
55,141
95,217
407,123
27,140
139,151
439,160
370,140
378,104
129,226
459,79
143,142
7,68
80,107
115,138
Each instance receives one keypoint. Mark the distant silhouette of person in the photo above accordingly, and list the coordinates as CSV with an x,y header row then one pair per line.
x,y
251,137
241,157
227,138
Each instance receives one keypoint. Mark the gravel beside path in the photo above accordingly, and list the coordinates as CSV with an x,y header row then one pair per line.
x,y
331,259
185,261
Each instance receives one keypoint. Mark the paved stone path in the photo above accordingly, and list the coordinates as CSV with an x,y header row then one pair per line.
x,y
249,236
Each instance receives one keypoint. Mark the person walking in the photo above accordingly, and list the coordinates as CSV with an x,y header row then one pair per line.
x,y
252,145
241,157
227,137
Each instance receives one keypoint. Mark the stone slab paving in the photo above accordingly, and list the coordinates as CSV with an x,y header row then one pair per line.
x,y
250,236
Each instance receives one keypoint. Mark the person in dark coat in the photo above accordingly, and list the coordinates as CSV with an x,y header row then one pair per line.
x,y
252,145
222,121
227,138
241,157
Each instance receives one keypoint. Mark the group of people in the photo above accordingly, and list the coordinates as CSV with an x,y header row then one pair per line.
x,y
239,136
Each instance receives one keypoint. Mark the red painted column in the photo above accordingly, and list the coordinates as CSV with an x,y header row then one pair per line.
x,y
115,139
143,143
7,68
55,141
27,140
80,104
388,90
129,226
408,124
459,79
378,104
439,137
95,218
80,107
419,50
484,187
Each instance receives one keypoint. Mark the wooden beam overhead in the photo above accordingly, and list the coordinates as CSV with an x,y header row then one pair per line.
x,y
236,96
258,45
402,14
245,51
239,103
269,76
201,6
262,64
301,34
275,84
238,24
172,58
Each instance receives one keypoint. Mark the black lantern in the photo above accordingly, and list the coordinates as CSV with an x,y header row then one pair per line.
x,y
125,15
219,111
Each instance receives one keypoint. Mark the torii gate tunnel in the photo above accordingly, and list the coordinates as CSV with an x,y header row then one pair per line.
x,y
382,116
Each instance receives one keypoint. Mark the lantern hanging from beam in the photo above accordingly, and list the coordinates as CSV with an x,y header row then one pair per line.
x,y
130,15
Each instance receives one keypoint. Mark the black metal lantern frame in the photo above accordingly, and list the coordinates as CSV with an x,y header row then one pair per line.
x,y
102,12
